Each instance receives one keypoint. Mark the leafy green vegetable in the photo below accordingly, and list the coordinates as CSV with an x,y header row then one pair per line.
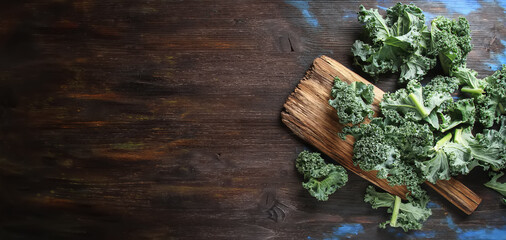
x,y
494,184
450,41
415,104
472,84
487,149
448,158
322,179
391,150
437,168
497,186
442,84
398,42
424,134
456,113
352,101
408,216
492,104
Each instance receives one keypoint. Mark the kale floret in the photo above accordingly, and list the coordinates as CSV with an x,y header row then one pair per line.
x,y
323,179
492,104
398,42
414,103
487,149
456,113
391,150
447,158
450,41
352,101
470,82
408,216
442,84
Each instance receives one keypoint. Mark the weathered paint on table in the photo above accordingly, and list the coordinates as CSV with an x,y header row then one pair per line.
x,y
155,119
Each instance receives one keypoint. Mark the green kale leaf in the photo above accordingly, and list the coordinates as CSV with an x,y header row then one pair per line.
x,y
408,216
487,149
391,149
495,185
450,41
323,179
447,159
442,84
352,101
456,113
468,79
492,104
415,104
398,42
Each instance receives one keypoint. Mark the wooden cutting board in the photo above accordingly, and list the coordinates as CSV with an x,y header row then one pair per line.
x,y
308,114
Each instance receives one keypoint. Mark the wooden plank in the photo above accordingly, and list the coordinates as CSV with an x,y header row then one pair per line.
x,y
308,114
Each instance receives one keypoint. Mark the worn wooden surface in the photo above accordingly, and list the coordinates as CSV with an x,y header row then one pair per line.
x,y
308,114
154,119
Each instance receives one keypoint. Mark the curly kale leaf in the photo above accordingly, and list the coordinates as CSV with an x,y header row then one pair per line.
x,y
391,149
408,216
448,159
323,179
437,168
492,104
442,84
472,84
487,149
456,113
398,42
414,103
495,185
352,101
450,41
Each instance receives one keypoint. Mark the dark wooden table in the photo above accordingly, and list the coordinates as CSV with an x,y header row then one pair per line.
x,y
151,119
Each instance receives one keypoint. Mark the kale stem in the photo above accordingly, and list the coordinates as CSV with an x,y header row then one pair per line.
x,y
353,86
395,212
458,135
474,91
419,106
442,141
501,108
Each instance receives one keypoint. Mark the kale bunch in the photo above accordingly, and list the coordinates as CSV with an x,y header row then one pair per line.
x,y
397,43
423,133
323,179
352,101
408,215
415,103
489,93
492,104
450,41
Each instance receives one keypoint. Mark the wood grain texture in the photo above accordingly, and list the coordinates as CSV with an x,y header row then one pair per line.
x,y
159,119
308,114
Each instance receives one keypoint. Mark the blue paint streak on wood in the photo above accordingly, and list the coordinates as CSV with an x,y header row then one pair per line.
x,y
464,7
452,225
382,8
429,17
346,230
303,6
484,233
498,59
500,3
433,205
480,233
